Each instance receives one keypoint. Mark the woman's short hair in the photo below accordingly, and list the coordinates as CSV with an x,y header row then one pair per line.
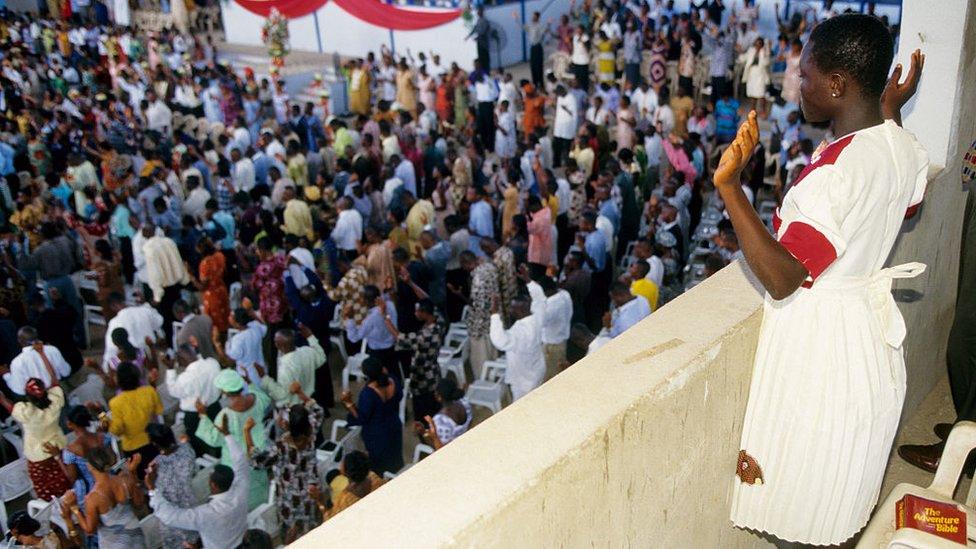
x,y
857,45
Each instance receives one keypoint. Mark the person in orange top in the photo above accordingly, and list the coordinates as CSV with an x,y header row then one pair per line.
x,y
535,104
216,300
445,93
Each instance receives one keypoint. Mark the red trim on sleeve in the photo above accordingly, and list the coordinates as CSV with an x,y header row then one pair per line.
x,y
777,221
810,247
827,157
912,210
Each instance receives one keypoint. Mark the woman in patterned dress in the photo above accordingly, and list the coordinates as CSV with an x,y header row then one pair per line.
x,y
175,466
292,460
659,62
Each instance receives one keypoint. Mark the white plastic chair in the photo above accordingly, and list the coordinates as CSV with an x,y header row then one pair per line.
x,y
93,315
235,298
46,511
488,390
265,516
453,355
151,532
419,450
329,455
403,401
461,326
962,440
14,483
354,366
177,326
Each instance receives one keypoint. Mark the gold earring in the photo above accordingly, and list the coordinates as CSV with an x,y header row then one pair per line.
x,y
833,94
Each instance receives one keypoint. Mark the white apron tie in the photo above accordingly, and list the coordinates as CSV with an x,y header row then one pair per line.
x,y
883,301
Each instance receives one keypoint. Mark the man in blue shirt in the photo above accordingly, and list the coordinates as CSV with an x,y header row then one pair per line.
x,y
372,330
436,256
480,219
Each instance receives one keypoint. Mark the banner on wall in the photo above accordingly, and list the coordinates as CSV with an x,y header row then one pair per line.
x,y
374,12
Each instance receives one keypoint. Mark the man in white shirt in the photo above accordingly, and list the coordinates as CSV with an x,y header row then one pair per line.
x,y
522,343
222,521
30,362
274,148
165,273
196,200
158,116
405,172
644,251
564,125
554,307
644,100
243,176
348,229
191,380
629,310
140,322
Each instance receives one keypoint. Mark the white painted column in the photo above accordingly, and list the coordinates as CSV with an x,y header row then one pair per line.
x,y
941,29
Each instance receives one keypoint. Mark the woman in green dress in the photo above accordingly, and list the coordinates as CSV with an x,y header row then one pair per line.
x,y
240,407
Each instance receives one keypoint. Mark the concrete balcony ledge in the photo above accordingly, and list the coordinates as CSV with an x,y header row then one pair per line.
x,y
637,444
590,456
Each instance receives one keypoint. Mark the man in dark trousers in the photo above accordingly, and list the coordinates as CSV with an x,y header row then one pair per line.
x,y
482,33
960,352
535,34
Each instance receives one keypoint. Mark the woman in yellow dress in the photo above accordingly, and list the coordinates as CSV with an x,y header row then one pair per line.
x,y
406,89
606,60
358,88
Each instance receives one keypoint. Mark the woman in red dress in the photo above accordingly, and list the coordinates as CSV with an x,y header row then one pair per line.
x,y
216,300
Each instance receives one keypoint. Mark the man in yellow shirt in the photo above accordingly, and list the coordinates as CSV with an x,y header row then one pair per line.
x,y
642,286
297,215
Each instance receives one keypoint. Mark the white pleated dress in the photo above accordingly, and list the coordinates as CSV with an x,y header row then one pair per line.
x,y
829,377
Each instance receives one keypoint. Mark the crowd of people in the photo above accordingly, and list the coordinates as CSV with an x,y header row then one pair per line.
x,y
232,242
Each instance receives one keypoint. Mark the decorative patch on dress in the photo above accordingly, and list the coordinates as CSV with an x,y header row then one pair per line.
x,y
748,469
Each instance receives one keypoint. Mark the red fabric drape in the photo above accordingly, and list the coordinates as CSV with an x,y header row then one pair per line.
x,y
289,8
374,12
383,15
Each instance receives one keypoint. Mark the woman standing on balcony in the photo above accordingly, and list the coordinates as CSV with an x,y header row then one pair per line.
x,y
829,377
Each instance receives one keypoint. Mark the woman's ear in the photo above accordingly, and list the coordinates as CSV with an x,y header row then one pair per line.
x,y
837,84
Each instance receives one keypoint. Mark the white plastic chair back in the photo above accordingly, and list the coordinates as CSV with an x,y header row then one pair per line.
x,y
265,516
235,297
14,481
422,450
177,326
15,441
354,366
47,511
961,441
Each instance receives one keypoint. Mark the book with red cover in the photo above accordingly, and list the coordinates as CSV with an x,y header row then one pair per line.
x,y
945,520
